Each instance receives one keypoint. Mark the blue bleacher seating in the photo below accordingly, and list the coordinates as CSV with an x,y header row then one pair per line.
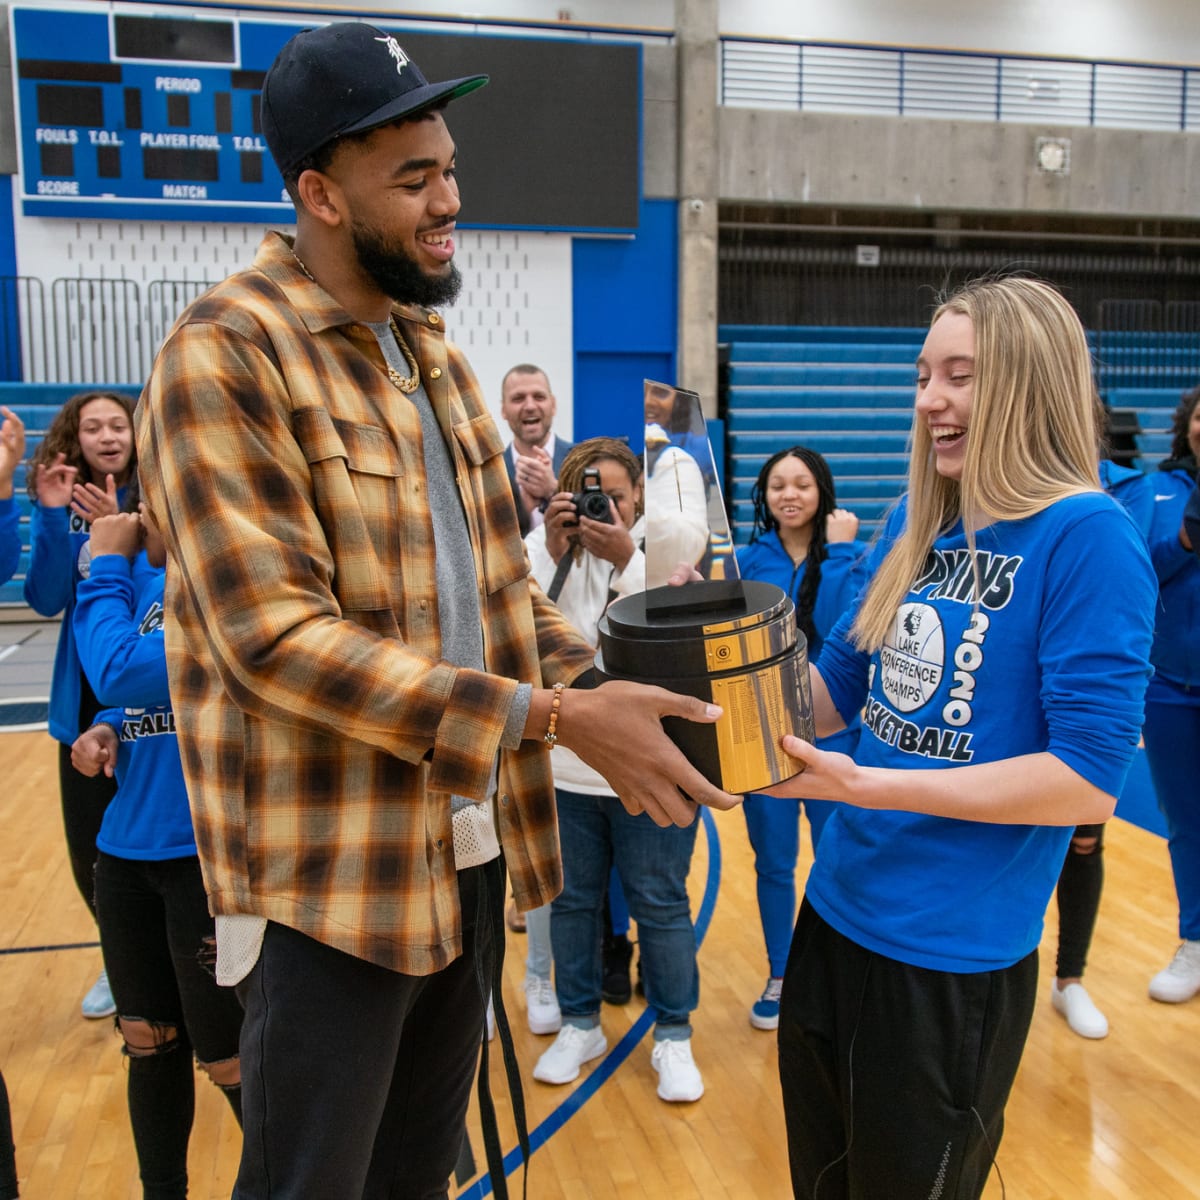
x,y
847,393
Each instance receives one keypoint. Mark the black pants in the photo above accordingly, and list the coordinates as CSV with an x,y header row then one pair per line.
x,y
8,1156
83,803
1079,889
355,1078
159,952
894,1078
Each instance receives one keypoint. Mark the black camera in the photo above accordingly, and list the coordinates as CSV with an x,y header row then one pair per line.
x,y
591,502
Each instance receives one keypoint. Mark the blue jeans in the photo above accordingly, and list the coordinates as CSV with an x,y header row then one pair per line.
x,y
1172,735
596,832
538,957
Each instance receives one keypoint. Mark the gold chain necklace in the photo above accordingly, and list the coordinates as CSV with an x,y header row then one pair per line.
x,y
407,386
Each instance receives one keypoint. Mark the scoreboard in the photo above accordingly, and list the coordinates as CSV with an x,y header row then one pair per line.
x,y
128,115
124,115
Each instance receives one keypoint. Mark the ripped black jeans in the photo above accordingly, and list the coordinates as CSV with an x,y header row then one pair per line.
x,y
157,938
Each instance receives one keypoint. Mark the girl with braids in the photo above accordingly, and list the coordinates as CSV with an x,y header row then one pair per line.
x,y
999,656
79,472
806,545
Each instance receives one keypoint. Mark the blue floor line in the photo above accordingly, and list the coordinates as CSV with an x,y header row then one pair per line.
x,y
607,1067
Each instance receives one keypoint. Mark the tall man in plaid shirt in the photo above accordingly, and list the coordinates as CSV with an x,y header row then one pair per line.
x,y
360,667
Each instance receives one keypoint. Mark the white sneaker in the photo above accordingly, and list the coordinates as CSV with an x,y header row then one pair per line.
x,y
678,1077
1076,1005
1180,979
99,1002
571,1049
541,1006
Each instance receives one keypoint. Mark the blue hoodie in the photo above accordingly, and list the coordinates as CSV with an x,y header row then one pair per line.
x,y
118,624
59,557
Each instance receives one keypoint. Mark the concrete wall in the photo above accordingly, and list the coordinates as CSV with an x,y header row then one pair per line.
x,y
660,113
909,163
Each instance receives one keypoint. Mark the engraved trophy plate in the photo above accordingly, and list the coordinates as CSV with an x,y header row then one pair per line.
x,y
724,640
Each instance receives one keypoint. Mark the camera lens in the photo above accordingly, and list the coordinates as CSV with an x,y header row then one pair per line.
x,y
594,506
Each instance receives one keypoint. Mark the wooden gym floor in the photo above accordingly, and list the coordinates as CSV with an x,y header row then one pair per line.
x,y
1116,1118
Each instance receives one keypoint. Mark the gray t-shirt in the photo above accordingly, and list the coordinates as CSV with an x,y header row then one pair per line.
x,y
458,606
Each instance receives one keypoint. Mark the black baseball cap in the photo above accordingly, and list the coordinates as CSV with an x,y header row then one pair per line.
x,y
343,78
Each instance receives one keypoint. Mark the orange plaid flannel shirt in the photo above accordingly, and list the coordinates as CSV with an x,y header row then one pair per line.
x,y
321,733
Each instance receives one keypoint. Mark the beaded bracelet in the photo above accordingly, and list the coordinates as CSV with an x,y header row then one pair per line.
x,y
551,738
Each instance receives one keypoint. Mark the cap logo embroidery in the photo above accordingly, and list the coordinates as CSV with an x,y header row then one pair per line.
x,y
393,48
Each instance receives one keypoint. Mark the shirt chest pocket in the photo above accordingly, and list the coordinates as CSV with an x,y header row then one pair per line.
x,y
356,473
491,494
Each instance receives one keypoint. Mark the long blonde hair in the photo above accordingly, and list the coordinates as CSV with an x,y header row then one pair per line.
x,y
1031,439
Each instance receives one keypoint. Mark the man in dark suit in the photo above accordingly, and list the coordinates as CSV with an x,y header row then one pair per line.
x,y
535,455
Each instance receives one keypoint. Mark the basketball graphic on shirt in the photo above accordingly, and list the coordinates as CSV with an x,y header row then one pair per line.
x,y
912,658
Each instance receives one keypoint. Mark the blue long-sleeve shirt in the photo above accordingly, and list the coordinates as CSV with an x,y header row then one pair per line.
x,y
10,539
1176,652
59,558
1051,656
1132,489
118,627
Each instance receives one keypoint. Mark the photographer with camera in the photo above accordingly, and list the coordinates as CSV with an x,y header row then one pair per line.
x,y
592,541
582,522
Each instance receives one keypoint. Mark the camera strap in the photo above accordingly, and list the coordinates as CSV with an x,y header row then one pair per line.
x,y
560,575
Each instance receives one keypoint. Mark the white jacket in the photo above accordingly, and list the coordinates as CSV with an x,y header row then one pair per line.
x,y
583,599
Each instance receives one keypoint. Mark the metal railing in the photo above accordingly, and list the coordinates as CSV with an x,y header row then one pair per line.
x,y
86,330
766,277
896,81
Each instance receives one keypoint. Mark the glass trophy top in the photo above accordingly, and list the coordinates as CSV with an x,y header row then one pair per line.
x,y
685,511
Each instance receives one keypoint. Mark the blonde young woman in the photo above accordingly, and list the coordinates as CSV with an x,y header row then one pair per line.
x,y
999,657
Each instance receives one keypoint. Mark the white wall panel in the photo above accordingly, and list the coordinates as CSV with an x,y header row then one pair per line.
x,y
515,306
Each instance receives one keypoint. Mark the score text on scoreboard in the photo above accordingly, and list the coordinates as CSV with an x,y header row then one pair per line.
x,y
125,116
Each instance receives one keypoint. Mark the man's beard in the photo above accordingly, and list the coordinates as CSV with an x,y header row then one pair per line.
x,y
397,275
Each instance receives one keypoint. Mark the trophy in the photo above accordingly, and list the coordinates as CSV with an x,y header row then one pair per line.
x,y
725,640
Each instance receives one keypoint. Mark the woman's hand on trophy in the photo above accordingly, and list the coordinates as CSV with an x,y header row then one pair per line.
x,y
823,775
